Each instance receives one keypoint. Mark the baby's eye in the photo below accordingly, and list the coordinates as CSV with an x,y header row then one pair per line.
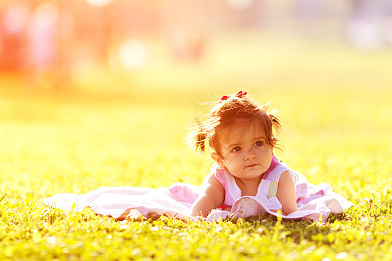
x,y
258,143
236,149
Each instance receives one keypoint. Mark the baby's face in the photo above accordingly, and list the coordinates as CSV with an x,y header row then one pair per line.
x,y
245,152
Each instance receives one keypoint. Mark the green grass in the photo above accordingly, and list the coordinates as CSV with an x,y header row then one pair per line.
x,y
336,107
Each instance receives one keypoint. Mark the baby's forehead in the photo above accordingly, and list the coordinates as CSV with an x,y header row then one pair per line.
x,y
240,131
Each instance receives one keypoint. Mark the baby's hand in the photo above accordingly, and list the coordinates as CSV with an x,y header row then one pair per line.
x,y
315,218
200,218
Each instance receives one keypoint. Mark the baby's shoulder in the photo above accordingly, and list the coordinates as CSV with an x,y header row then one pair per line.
x,y
219,173
281,170
215,172
287,177
296,176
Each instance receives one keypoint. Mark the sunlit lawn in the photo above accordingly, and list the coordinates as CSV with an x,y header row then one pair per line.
x,y
128,129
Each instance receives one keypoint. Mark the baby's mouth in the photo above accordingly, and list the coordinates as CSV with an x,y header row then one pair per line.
x,y
252,166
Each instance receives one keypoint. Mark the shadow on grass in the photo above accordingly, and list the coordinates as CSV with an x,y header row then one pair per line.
x,y
297,229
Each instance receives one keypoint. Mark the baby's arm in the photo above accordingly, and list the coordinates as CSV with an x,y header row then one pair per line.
x,y
286,193
211,197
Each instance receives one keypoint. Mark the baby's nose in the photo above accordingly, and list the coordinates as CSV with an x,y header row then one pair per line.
x,y
250,154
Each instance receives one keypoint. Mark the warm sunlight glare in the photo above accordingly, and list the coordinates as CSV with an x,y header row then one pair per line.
x,y
46,14
240,4
99,2
132,54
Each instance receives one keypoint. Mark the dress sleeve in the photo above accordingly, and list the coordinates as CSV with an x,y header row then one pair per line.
x,y
294,176
220,176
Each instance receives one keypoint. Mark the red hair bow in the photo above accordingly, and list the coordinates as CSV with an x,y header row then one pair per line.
x,y
224,98
239,94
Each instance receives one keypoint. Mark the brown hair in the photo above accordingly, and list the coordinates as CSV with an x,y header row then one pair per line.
x,y
228,111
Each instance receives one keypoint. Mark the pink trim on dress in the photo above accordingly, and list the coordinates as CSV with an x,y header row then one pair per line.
x,y
220,175
274,163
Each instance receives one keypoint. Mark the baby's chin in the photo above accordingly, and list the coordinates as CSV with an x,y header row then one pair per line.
x,y
251,174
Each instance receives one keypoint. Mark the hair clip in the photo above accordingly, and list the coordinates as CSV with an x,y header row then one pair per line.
x,y
224,98
241,94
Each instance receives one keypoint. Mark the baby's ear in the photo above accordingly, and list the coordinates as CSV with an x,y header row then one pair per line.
x,y
218,159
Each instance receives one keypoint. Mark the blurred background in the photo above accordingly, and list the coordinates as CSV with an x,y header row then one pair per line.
x,y
103,90
116,45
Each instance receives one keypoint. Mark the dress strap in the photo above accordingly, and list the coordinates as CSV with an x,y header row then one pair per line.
x,y
269,183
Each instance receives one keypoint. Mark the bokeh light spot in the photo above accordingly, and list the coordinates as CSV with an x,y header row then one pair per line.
x,y
46,14
99,2
132,54
240,4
